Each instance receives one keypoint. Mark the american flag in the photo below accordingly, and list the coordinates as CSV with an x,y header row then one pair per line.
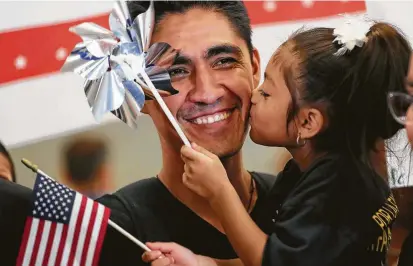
x,y
63,228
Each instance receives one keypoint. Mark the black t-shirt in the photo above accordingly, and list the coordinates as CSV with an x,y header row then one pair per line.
x,y
148,211
335,213
406,253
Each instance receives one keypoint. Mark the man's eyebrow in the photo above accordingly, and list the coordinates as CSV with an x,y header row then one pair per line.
x,y
223,49
181,59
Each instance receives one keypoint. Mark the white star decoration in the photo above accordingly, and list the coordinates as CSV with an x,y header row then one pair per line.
x,y
307,3
270,6
20,62
61,54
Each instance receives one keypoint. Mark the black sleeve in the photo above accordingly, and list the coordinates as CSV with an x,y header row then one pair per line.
x,y
15,205
406,254
117,249
302,238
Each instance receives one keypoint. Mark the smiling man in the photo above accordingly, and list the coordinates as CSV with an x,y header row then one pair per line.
x,y
215,73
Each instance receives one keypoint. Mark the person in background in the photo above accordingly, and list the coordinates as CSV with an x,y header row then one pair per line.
x,y
6,165
86,168
401,106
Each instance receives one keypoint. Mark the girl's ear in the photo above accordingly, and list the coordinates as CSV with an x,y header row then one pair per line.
x,y
310,122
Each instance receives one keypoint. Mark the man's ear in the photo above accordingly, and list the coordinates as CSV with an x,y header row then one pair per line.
x,y
310,122
256,67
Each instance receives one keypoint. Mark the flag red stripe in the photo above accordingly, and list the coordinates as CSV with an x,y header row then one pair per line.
x,y
49,243
39,44
89,233
80,215
25,239
62,242
36,244
101,237
294,10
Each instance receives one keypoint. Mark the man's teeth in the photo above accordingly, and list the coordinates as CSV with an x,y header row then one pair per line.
x,y
209,119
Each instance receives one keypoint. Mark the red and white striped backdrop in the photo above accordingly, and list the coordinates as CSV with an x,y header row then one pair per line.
x,y
36,101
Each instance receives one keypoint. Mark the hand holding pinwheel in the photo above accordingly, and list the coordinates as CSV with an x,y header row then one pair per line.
x,y
120,68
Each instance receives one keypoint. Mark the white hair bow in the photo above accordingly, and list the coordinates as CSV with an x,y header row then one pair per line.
x,y
351,34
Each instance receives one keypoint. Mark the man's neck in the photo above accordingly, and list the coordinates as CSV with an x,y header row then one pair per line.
x,y
173,169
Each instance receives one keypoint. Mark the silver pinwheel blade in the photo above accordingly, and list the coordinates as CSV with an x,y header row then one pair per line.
x,y
112,62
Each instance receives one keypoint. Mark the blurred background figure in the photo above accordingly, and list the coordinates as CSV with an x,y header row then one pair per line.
x,y
6,165
86,167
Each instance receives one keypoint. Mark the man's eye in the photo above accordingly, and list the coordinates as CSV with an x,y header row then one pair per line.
x,y
228,61
178,72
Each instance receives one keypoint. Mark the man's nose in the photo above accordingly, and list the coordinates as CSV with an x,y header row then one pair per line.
x,y
206,89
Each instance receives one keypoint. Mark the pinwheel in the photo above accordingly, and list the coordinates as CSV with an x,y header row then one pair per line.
x,y
120,69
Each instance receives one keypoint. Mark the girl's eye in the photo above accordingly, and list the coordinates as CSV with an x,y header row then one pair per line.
x,y
263,93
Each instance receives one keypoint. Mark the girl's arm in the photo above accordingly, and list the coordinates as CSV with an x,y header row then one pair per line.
x,y
205,175
245,236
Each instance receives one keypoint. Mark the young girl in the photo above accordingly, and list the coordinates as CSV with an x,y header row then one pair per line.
x,y
324,99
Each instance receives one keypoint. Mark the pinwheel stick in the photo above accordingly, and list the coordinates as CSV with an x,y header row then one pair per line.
x,y
36,169
165,109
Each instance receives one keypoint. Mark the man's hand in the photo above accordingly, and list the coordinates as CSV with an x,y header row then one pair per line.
x,y
204,172
164,254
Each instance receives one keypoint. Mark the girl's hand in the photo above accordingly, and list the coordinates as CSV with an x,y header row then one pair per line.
x,y
174,255
204,172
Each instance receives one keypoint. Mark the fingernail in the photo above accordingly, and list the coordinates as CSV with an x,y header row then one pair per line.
x,y
157,253
193,144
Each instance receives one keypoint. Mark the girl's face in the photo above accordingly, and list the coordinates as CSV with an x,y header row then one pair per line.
x,y
270,105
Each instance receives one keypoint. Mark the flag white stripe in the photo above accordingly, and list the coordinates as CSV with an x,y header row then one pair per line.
x,y
30,242
83,231
71,229
56,243
95,234
43,243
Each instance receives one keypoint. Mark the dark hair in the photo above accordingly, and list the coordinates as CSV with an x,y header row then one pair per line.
x,y
6,153
352,88
234,11
83,157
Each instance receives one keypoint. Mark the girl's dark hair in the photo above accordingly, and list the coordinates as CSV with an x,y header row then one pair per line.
x,y
352,88
4,151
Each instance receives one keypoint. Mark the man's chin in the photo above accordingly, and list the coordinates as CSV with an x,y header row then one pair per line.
x,y
221,146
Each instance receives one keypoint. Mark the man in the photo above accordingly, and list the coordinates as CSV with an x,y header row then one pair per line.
x,y
215,73
86,168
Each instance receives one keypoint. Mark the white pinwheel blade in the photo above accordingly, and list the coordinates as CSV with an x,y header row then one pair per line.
x,y
120,21
102,95
129,111
83,63
143,27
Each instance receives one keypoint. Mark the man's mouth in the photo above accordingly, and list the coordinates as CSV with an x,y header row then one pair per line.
x,y
212,118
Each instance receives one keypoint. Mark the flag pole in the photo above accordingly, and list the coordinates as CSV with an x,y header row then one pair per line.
x,y
36,169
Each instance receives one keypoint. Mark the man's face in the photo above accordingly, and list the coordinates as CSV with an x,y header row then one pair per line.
x,y
215,77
